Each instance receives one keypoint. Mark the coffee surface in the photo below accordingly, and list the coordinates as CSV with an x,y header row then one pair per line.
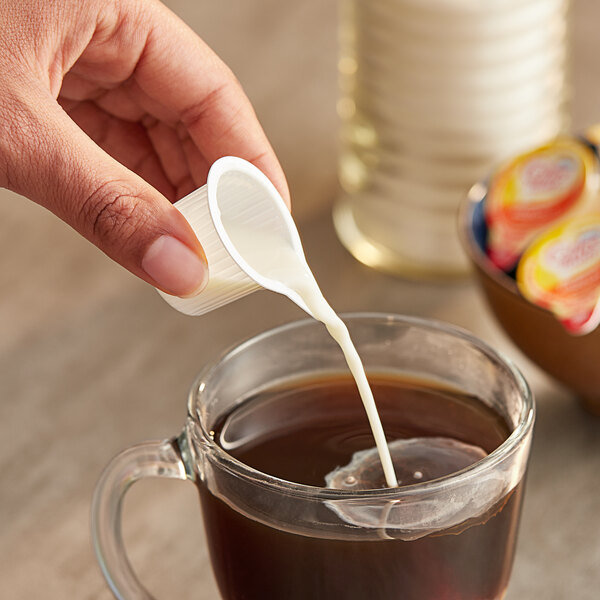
x,y
302,433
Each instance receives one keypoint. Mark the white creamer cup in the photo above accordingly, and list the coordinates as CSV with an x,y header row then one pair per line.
x,y
237,195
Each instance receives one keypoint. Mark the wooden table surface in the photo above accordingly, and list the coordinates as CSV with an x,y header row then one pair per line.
x,y
92,360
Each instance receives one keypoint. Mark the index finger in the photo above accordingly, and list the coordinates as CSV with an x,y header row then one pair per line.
x,y
179,71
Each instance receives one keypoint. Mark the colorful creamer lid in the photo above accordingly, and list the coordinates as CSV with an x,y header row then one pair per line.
x,y
560,271
534,191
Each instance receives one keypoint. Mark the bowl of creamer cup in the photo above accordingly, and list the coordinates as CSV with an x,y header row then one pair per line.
x,y
243,224
571,359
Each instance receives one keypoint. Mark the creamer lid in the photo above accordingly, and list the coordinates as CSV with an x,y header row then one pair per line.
x,y
560,271
534,191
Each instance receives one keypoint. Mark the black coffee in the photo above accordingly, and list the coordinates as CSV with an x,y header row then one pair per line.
x,y
304,432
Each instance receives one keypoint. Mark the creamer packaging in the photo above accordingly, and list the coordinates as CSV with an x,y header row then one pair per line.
x,y
560,271
535,191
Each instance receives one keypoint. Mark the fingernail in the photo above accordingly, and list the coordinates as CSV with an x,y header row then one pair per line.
x,y
175,268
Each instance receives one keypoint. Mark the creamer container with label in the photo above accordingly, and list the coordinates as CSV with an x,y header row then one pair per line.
x,y
560,271
534,191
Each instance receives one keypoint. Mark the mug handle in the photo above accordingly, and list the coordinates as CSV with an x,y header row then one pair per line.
x,y
149,459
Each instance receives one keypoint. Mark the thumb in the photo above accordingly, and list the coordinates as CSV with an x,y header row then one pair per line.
x,y
49,159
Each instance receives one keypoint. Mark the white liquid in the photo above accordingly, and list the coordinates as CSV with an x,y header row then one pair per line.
x,y
273,258
320,309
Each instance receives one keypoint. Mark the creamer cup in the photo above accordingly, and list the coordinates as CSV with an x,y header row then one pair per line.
x,y
535,191
560,271
237,199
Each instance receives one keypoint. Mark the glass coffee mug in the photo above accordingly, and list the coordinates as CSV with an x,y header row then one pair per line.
x,y
270,538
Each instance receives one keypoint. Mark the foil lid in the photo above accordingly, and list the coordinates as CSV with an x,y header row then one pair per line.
x,y
535,191
560,271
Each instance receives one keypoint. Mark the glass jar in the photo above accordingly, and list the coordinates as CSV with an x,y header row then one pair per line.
x,y
433,93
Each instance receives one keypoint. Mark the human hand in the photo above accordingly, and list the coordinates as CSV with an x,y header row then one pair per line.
x,y
109,111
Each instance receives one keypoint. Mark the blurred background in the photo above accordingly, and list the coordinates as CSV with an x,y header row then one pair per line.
x,y
92,360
